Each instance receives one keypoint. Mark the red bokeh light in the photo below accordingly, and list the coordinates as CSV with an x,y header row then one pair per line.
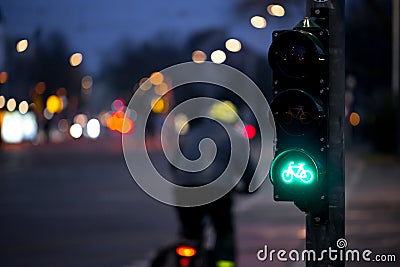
x,y
118,104
249,131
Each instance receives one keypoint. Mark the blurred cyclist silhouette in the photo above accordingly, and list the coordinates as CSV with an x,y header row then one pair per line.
x,y
219,212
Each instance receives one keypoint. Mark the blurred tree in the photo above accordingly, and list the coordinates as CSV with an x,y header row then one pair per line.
x,y
53,65
132,63
383,128
368,45
125,68
46,60
368,58
246,8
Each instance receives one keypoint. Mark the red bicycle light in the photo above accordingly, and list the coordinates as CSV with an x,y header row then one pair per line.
x,y
184,262
185,251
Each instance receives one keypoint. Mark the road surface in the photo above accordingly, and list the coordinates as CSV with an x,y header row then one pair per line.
x,y
75,204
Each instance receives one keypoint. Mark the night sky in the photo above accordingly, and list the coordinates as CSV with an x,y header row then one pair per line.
x,y
94,27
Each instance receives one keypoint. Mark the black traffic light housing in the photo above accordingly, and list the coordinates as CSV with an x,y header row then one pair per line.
x,y
299,59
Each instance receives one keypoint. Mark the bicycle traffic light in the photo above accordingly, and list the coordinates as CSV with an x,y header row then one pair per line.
x,y
299,59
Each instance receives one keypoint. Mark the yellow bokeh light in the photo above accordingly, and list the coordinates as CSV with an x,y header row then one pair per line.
x,y
158,105
258,22
156,78
354,119
218,56
22,45
23,107
2,101
161,89
225,111
76,59
11,104
276,10
54,104
233,45
3,77
199,56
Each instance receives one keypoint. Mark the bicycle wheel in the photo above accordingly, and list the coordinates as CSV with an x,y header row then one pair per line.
x,y
306,118
287,118
307,176
287,176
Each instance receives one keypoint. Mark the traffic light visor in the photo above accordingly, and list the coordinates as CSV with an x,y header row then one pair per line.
x,y
296,53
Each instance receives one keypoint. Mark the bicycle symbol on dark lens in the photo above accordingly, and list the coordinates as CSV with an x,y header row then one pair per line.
x,y
297,113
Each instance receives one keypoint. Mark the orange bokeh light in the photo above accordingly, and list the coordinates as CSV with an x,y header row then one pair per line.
x,y
3,77
118,122
354,119
156,78
185,251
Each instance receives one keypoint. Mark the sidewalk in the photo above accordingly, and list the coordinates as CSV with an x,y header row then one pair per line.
x,y
372,210
261,222
372,215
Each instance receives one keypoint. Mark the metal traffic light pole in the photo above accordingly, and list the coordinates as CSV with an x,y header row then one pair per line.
x,y
322,236
396,66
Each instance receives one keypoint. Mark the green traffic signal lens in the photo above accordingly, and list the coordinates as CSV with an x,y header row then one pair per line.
x,y
294,171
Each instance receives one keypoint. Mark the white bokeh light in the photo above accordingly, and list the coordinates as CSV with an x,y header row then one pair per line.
x,y
93,128
75,131
218,56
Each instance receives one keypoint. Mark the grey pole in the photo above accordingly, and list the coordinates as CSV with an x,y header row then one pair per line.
x,y
395,66
322,236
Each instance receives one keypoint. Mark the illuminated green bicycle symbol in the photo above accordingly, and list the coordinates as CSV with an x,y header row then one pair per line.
x,y
298,172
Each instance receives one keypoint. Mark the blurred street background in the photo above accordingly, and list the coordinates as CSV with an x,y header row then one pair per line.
x,y
75,204
67,72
